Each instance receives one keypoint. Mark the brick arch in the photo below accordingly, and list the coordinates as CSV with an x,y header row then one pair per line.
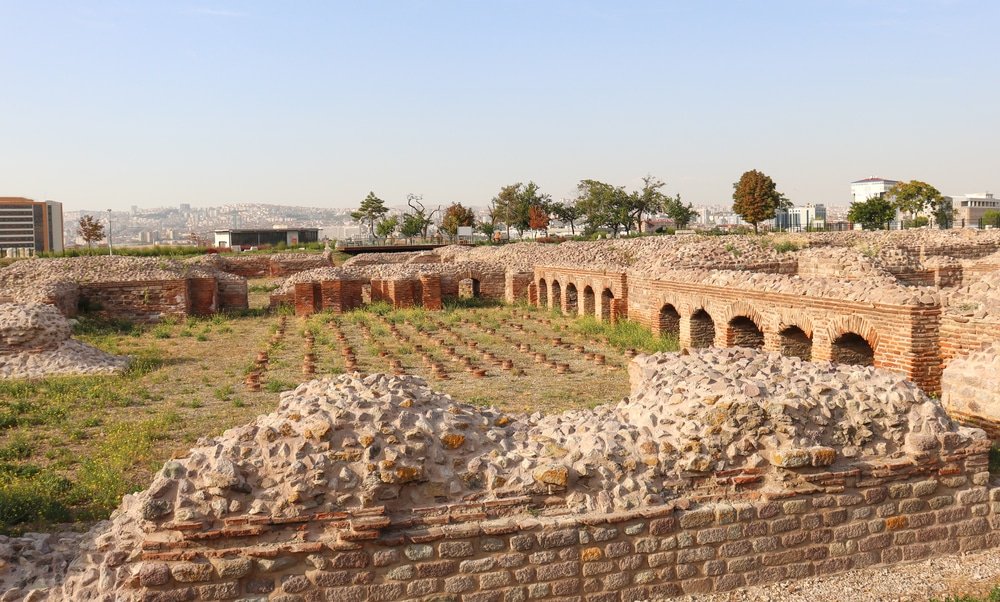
x,y
745,310
543,293
803,323
853,324
588,303
700,333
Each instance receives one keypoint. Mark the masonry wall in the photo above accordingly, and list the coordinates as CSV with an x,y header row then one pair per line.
x,y
585,283
869,515
146,301
904,338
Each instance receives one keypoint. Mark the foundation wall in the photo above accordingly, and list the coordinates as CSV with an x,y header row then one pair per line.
x,y
591,292
233,295
862,517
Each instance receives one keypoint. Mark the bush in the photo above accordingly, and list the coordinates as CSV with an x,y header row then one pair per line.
x,y
154,251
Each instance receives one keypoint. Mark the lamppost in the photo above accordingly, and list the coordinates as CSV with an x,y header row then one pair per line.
x,y
111,249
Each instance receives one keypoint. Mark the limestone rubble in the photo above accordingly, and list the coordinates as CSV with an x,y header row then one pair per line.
x,y
35,342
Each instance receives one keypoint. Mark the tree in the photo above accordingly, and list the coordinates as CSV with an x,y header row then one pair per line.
x,y
455,217
647,200
991,218
873,214
372,209
915,196
538,218
567,212
90,230
679,212
419,220
411,226
756,198
604,205
386,227
514,202
487,228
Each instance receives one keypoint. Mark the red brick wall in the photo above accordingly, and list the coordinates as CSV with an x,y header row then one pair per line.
x,y
585,281
146,301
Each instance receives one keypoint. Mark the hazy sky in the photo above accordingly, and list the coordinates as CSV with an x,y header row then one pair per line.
x,y
109,104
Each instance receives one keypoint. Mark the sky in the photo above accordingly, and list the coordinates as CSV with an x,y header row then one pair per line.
x,y
119,103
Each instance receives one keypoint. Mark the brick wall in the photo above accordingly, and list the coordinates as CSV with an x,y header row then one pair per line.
x,y
601,294
233,294
904,338
868,515
145,301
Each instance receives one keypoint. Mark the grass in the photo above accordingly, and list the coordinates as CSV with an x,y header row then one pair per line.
x,y
625,335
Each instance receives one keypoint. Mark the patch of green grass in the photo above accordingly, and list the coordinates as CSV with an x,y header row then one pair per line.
x,y
785,246
162,331
224,393
625,335
276,386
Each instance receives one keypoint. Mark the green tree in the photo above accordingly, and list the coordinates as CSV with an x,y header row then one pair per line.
x,y
679,212
991,218
567,212
914,196
418,219
456,216
756,198
604,206
513,204
386,227
873,214
371,210
645,201
90,230
487,228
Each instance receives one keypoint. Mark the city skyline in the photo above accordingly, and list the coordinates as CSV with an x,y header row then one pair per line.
x,y
314,105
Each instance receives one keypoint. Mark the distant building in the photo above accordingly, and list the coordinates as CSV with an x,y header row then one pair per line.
x,y
185,208
862,190
798,219
28,227
271,237
969,209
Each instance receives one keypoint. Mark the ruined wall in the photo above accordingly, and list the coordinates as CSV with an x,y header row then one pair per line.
x,y
141,301
904,338
872,515
969,390
598,293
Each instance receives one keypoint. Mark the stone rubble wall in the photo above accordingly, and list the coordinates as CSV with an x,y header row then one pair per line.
x,y
878,515
970,390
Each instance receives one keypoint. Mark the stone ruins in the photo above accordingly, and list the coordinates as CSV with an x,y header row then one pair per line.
x,y
35,341
796,434
724,467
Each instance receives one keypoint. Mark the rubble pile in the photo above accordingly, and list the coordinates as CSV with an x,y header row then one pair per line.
x,y
839,262
33,562
979,300
35,342
968,388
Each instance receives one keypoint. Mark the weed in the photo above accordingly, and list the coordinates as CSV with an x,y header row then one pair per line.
x,y
276,386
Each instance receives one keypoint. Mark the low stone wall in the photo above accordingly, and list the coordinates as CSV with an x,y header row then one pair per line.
x,y
866,516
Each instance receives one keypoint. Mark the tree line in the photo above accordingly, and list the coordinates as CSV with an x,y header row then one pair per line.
x,y
523,206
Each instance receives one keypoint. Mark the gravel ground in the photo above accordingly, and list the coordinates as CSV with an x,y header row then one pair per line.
x,y
937,578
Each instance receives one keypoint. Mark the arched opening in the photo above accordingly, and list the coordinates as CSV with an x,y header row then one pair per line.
x,y
588,301
543,293
607,298
556,295
795,343
670,321
571,303
468,288
852,348
702,329
743,332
